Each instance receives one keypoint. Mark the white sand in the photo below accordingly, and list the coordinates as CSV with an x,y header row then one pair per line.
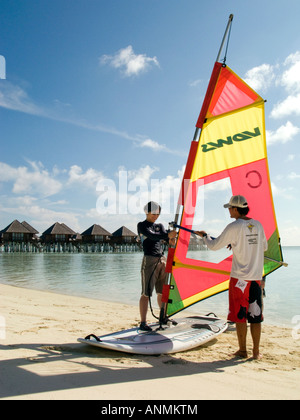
x,y
41,359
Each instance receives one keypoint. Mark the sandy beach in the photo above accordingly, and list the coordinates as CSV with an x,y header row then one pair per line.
x,y
40,357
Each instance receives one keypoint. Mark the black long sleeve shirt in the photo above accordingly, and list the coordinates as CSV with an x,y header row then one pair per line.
x,y
152,235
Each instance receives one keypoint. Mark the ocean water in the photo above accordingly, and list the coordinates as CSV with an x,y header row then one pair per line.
x,y
116,278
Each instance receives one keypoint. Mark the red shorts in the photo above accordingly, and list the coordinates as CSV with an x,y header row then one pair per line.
x,y
245,301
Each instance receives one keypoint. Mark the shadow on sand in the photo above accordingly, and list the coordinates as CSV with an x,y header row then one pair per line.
x,y
84,366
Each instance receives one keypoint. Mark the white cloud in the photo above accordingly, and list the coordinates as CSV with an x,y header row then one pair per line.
x,y
145,173
15,98
151,144
88,179
290,158
25,196
133,189
283,134
287,75
289,106
28,180
34,179
195,83
128,62
31,187
36,213
291,77
156,147
293,176
261,77
286,193
290,80
221,185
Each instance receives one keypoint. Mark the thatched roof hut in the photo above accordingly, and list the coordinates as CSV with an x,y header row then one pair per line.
x,y
59,232
123,236
95,233
19,232
30,228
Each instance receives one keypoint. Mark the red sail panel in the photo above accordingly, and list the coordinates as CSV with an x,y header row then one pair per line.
x,y
226,93
231,93
209,94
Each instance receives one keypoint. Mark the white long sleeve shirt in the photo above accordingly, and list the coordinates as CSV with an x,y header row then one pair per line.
x,y
248,241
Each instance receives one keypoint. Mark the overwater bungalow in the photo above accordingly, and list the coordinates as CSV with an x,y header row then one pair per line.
x,y
59,232
123,236
77,238
21,237
95,234
19,232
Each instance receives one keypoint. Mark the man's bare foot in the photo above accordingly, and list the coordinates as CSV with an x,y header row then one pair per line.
x,y
242,354
257,356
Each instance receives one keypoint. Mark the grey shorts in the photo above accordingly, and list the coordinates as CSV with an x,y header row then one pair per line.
x,y
153,274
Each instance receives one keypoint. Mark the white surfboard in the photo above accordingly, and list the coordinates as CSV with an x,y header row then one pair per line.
x,y
188,333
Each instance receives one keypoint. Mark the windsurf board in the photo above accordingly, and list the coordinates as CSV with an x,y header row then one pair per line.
x,y
176,336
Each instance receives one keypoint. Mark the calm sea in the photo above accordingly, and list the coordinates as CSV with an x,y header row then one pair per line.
x,y
116,277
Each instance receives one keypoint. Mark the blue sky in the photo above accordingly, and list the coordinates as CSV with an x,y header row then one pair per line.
x,y
101,98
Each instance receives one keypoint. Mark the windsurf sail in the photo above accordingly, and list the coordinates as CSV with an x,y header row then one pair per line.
x,y
232,144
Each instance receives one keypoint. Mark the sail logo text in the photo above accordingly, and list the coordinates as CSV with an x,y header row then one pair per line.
x,y
244,135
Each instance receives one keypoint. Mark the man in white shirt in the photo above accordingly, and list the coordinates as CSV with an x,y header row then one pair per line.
x,y
248,242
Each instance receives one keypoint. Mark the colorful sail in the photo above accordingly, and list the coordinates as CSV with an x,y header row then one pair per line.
x,y
232,145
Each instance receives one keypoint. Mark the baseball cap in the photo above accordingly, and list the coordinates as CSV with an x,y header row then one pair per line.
x,y
237,201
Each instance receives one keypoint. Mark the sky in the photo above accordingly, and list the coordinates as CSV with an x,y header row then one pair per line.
x,y
99,101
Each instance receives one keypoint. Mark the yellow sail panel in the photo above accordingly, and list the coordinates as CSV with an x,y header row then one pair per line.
x,y
219,288
231,140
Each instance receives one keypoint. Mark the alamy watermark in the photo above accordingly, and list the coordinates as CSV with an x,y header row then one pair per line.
x,y
2,328
2,67
296,329
129,195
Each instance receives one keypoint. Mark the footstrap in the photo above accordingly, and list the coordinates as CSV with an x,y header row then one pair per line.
x,y
210,327
88,337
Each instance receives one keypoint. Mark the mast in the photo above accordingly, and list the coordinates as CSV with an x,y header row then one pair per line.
x,y
195,140
208,96
226,33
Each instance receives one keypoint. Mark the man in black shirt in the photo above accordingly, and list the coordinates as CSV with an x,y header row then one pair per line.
x,y
154,263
